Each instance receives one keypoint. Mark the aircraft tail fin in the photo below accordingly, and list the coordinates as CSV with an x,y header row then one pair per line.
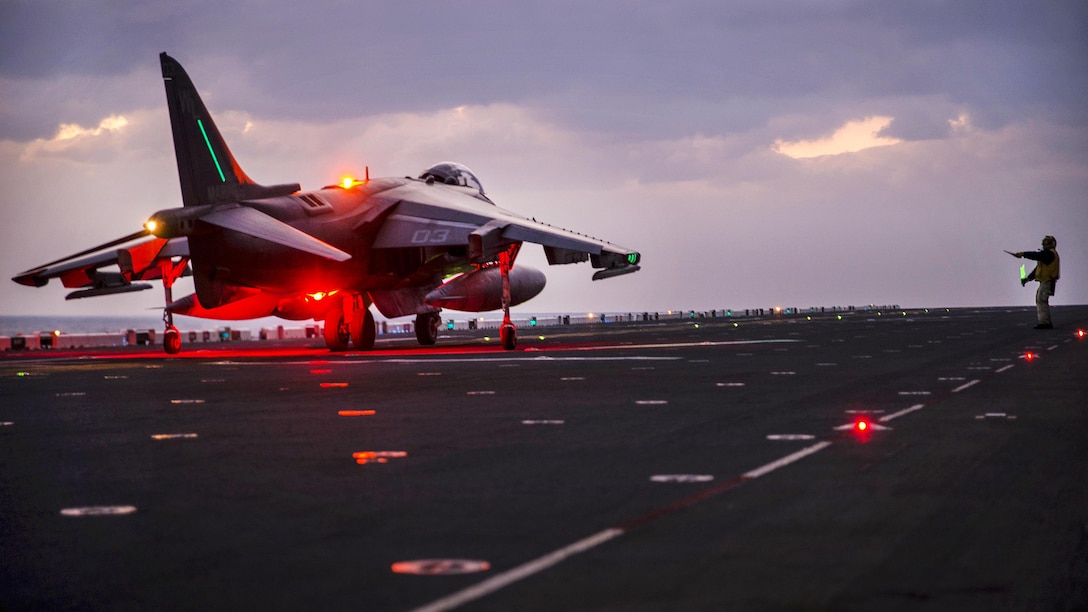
x,y
208,172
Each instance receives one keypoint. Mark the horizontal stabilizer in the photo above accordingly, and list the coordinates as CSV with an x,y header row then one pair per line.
x,y
86,293
32,278
255,223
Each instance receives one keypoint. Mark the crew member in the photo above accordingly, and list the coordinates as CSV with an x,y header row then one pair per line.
x,y
1046,273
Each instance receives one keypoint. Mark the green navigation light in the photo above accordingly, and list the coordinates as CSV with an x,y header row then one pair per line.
x,y
632,258
212,151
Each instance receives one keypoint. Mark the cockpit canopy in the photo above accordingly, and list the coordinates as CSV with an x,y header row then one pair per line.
x,y
452,173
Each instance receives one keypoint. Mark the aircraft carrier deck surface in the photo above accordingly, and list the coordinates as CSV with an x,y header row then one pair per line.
x,y
682,465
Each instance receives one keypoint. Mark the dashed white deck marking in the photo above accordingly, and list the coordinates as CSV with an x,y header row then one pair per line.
x,y
186,401
730,384
172,436
1008,367
826,364
914,393
966,385
790,437
428,373
543,422
115,377
481,393
681,478
98,511
72,394
519,573
7,423
651,402
788,459
784,373
540,564
1051,348
896,415
569,378
951,378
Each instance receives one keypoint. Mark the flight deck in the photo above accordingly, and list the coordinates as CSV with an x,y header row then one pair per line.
x,y
673,465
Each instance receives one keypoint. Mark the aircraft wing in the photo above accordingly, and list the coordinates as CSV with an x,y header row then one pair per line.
x,y
487,229
136,262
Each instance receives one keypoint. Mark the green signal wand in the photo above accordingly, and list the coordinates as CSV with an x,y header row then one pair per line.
x,y
1023,274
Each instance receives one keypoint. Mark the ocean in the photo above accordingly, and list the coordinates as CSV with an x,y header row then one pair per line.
x,y
27,324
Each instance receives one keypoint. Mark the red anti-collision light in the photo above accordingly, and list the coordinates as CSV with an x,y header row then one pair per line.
x,y
1081,333
1029,356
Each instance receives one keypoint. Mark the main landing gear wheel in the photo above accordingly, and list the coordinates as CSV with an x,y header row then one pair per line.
x,y
171,341
427,328
337,333
362,330
509,336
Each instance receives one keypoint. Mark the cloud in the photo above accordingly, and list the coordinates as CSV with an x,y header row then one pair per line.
x,y
671,128
72,137
852,137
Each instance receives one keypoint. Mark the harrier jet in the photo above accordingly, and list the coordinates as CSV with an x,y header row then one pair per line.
x,y
406,246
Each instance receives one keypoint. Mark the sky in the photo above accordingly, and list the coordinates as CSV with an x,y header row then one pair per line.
x,y
758,154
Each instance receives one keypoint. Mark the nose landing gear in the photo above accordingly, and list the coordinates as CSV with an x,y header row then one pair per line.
x,y
351,322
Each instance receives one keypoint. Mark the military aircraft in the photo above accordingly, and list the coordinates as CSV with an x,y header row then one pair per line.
x,y
407,246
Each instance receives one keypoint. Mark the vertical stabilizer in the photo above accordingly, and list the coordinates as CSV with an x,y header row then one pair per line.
x,y
208,172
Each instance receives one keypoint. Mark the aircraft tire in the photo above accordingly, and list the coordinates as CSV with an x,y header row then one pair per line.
x,y
171,341
427,328
509,336
363,331
336,333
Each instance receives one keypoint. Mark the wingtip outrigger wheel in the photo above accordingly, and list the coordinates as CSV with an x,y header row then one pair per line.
x,y
171,337
171,340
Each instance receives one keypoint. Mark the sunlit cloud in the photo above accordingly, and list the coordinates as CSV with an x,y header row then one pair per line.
x,y
852,137
71,135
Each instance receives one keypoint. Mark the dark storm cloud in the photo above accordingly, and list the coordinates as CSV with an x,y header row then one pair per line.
x,y
599,65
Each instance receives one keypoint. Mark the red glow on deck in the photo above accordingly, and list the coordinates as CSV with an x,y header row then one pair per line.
x,y
355,413
333,385
365,457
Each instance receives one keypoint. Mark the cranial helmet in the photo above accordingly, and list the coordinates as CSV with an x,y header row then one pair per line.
x,y
1049,242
